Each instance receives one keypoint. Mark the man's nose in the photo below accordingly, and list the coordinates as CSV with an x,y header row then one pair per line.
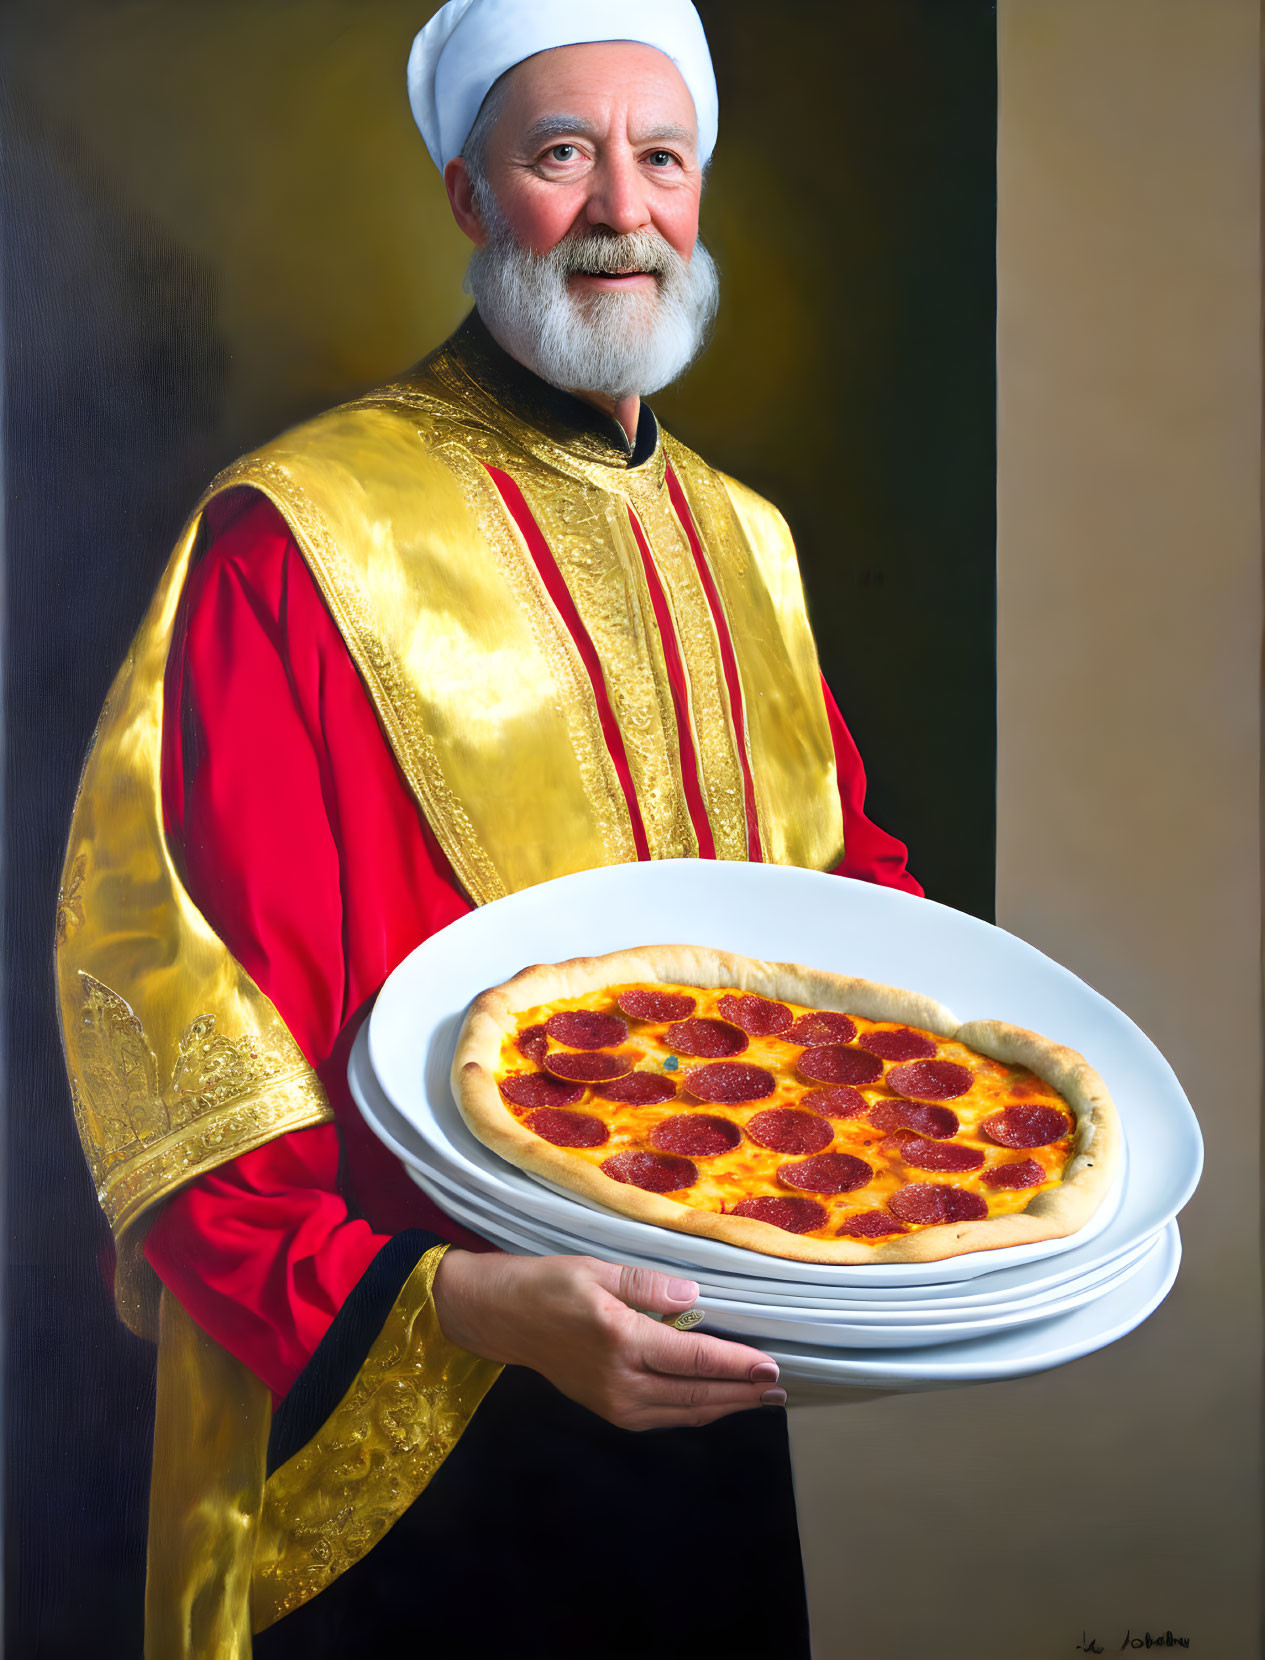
x,y
617,198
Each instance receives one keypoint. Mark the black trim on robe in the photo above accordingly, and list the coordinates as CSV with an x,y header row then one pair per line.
x,y
341,1352
559,415
547,1534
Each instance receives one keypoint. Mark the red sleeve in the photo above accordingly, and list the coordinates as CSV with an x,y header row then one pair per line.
x,y
304,850
870,854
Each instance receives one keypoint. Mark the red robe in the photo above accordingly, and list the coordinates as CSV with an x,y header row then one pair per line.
x,y
304,849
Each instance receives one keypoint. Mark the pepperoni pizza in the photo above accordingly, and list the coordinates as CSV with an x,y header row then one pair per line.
x,y
789,1110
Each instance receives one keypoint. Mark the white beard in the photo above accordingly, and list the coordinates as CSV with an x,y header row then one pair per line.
x,y
620,345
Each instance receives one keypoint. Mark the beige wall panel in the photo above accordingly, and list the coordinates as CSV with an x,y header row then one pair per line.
x,y
1120,1494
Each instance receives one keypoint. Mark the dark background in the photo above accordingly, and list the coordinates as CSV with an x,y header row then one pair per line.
x,y
219,219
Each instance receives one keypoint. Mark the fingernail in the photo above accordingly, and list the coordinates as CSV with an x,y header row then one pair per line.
x,y
682,1291
774,1397
765,1372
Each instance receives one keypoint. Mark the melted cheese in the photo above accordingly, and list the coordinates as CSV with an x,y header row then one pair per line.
x,y
750,1171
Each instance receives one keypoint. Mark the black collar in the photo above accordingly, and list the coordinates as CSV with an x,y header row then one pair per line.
x,y
559,415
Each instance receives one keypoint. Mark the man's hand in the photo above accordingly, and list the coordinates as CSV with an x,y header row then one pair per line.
x,y
576,1321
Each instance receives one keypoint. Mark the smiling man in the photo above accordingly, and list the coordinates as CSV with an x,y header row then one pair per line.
x,y
485,626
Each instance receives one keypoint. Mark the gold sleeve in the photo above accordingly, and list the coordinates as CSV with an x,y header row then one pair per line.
x,y
230,1552
331,1503
177,1061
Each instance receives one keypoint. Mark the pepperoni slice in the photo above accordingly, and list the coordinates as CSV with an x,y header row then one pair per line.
x,y
758,1016
937,1155
655,1172
833,1064
656,1005
696,1135
708,1039
538,1089
824,1026
727,1082
869,1224
937,1122
930,1080
904,1044
587,1066
568,1129
586,1029
533,1043
839,1101
1026,1126
792,1215
1021,1173
827,1173
787,1130
926,1203
638,1089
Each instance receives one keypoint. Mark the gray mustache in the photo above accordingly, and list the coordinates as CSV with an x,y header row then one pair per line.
x,y
592,255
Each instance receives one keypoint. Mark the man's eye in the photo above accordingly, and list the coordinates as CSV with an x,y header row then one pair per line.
x,y
661,158
563,152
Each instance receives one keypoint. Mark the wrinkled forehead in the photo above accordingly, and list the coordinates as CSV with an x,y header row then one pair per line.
x,y
616,87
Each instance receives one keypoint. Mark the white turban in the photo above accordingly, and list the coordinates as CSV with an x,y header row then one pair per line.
x,y
469,44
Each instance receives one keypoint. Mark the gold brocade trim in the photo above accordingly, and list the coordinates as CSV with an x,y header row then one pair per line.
x,y
124,1113
751,555
394,697
584,457
189,1065
326,1507
715,736
553,639
592,542
588,533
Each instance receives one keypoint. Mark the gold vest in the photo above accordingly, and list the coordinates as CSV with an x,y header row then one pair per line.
x,y
421,509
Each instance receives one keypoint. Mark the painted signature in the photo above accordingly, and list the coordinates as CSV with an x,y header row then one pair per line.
x,y
1148,1639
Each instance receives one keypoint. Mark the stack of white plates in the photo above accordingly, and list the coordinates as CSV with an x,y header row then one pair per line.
x,y
990,1314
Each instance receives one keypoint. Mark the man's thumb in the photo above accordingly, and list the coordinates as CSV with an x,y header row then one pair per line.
x,y
655,1293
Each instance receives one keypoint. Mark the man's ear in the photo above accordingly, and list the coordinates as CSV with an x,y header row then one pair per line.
x,y
461,199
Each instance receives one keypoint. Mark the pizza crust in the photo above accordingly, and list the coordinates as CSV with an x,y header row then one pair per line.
x,y
1053,1214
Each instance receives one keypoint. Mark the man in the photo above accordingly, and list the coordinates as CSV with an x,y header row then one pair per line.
x,y
478,629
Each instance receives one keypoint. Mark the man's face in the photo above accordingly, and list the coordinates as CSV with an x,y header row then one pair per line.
x,y
588,266
599,137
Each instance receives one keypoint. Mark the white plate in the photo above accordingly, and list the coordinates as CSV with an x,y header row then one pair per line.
x,y
526,1237
836,1328
797,915
844,1331
1015,1288
794,915
1010,1354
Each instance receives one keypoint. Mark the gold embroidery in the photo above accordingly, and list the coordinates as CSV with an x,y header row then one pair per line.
x,y
211,1070
395,697
592,542
126,1118
553,639
120,1074
715,737
752,559
332,1502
